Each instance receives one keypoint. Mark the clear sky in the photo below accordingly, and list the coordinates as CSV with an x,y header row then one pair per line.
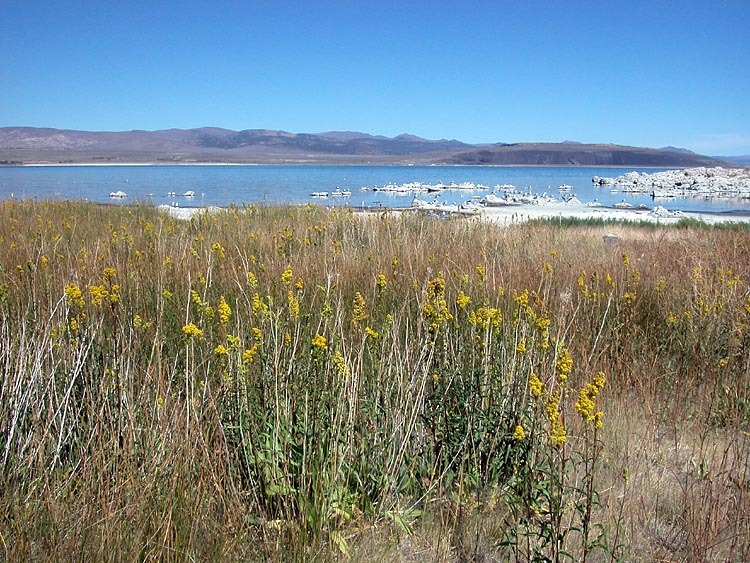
x,y
643,72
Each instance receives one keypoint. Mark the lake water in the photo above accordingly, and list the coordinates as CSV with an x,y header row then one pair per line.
x,y
223,185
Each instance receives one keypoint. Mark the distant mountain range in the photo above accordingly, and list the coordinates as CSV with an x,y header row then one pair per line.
x,y
29,145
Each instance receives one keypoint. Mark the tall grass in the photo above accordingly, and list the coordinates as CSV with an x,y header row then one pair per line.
x,y
293,383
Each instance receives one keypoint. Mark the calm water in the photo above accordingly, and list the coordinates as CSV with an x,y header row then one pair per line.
x,y
225,185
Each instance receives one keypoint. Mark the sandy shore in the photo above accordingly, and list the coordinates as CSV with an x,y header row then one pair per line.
x,y
509,215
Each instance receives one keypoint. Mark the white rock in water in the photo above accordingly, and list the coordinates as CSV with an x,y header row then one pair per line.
x,y
701,182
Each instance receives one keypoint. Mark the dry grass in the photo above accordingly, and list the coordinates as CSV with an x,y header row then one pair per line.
x,y
302,384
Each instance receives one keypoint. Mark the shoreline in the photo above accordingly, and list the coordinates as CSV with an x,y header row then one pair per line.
x,y
526,213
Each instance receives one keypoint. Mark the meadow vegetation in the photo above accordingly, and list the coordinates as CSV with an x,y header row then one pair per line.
x,y
296,383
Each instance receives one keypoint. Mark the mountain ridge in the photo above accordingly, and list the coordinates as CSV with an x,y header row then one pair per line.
x,y
37,145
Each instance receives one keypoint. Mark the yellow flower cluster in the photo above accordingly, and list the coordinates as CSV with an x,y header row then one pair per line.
x,y
435,309
536,385
381,283
484,316
218,250
586,403
359,308
224,310
564,364
481,273
340,363
190,330
252,279
462,300
203,306
519,433
258,305
248,356
286,276
557,432
74,295
293,304
98,294
522,299
319,342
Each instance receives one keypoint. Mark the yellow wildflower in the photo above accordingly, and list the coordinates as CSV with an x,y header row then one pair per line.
x,y
340,363
462,300
381,283
598,419
258,305
191,330
523,298
286,276
521,346
221,351
557,434
564,364
252,279
371,333
248,356
586,403
484,316
224,310
518,433
218,250
114,293
536,385
319,342
293,304
74,295
359,308
98,294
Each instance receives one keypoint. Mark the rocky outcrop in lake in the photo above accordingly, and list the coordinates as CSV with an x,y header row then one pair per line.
x,y
707,183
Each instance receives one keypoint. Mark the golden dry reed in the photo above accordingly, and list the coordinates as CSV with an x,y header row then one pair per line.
x,y
296,383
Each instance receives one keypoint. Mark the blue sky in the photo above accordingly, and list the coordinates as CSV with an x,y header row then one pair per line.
x,y
645,73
